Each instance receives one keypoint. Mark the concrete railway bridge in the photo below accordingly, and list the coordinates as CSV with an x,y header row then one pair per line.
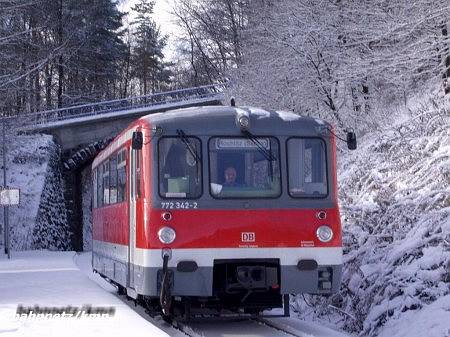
x,y
82,131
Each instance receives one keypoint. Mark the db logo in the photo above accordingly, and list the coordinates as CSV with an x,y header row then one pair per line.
x,y
248,237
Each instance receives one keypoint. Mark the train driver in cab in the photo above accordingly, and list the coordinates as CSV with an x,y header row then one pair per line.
x,y
230,177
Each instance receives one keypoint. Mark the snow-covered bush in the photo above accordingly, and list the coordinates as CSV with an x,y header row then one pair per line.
x,y
395,207
86,181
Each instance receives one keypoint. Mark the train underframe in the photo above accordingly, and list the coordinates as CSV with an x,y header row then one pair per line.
x,y
243,287
238,286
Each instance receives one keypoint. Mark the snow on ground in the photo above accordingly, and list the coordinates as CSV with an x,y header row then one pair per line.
x,y
432,321
293,324
53,279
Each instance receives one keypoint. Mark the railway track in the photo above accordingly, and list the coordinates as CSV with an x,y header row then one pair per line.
x,y
233,326
245,327
248,327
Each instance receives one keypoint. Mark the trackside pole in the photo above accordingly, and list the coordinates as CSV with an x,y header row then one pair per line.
x,y
5,209
286,306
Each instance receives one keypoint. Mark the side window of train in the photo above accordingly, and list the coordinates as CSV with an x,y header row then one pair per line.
x,y
113,180
121,176
105,178
99,186
307,167
180,166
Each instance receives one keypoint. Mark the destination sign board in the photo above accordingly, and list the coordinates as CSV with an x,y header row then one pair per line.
x,y
233,143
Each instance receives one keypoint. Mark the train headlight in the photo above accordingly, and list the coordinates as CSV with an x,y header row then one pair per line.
x,y
166,235
324,233
244,122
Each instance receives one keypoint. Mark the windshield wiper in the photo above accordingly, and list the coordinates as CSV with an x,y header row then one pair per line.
x,y
266,153
188,144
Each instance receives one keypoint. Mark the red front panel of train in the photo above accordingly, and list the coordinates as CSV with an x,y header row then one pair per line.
x,y
240,228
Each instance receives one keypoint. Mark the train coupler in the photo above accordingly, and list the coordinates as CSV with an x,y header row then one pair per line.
x,y
165,293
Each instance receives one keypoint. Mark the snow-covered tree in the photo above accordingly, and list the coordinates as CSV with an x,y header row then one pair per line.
x,y
147,55
56,53
91,64
211,41
337,59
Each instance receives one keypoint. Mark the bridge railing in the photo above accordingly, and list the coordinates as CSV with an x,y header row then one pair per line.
x,y
107,107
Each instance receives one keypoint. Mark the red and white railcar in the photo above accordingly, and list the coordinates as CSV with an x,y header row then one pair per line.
x,y
221,207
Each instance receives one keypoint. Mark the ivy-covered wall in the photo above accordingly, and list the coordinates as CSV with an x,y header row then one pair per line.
x,y
52,230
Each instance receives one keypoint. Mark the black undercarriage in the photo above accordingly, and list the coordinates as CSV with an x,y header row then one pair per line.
x,y
239,287
249,284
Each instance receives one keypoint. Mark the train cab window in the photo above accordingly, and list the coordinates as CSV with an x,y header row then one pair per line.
x,y
307,167
180,169
244,167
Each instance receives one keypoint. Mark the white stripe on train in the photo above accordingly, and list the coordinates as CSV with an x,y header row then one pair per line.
x,y
204,257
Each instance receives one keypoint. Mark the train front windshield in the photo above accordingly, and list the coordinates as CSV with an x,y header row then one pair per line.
x,y
244,167
307,168
180,167
241,167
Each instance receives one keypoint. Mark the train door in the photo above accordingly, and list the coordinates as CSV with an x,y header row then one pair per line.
x,y
133,195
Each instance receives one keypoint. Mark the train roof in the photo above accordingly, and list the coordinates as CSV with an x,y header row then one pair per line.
x,y
216,120
221,121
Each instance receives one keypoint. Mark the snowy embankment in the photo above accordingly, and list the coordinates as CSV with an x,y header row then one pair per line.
x,y
40,221
395,202
27,162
